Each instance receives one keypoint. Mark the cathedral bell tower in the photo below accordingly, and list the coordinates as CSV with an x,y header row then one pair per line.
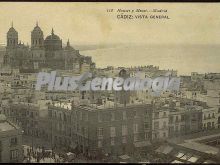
x,y
37,37
12,38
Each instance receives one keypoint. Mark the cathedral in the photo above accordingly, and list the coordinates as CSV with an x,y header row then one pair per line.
x,y
43,53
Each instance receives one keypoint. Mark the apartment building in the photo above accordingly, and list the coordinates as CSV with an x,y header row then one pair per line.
x,y
102,129
10,142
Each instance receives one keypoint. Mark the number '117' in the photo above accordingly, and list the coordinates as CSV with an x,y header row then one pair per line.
x,y
109,10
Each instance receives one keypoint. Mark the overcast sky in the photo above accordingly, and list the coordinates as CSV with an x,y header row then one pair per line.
x,y
90,23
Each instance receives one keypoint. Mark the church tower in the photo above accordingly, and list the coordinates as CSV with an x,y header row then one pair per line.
x,y
37,38
37,53
12,38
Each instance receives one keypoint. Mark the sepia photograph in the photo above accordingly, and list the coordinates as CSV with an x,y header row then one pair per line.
x,y
101,82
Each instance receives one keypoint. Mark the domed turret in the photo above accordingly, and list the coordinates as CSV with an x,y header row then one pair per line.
x,y
123,73
68,47
12,37
53,42
37,37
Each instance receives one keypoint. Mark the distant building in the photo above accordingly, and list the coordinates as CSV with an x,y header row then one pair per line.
x,y
210,118
160,121
43,53
196,76
212,85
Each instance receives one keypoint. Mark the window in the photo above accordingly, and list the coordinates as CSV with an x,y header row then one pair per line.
x,y
209,125
112,141
164,134
32,115
124,115
213,115
13,141
135,114
135,138
213,125
124,130
112,132
156,125
146,125
171,119
64,117
146,136
176,128
182,127
99,117
171,129
99,143
124,139
146,112
156,135
135,128
60,126
156,115
164,124
177,118
49,113
164,114
100,132
182,117
80,115
112,116
14,154
86,117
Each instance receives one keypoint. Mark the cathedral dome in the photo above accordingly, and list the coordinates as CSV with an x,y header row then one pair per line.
x,y
53,42
123,73
52,37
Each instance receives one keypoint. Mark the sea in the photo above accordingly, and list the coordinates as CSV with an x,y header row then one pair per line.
x,y
183,58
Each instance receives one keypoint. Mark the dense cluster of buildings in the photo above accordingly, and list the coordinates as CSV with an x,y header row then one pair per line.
x,y
94,122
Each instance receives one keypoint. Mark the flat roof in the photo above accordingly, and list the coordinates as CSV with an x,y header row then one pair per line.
x,y
93,107
204,138
200,147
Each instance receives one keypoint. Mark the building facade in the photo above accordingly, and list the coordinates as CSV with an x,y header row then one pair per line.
x,y
11,150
